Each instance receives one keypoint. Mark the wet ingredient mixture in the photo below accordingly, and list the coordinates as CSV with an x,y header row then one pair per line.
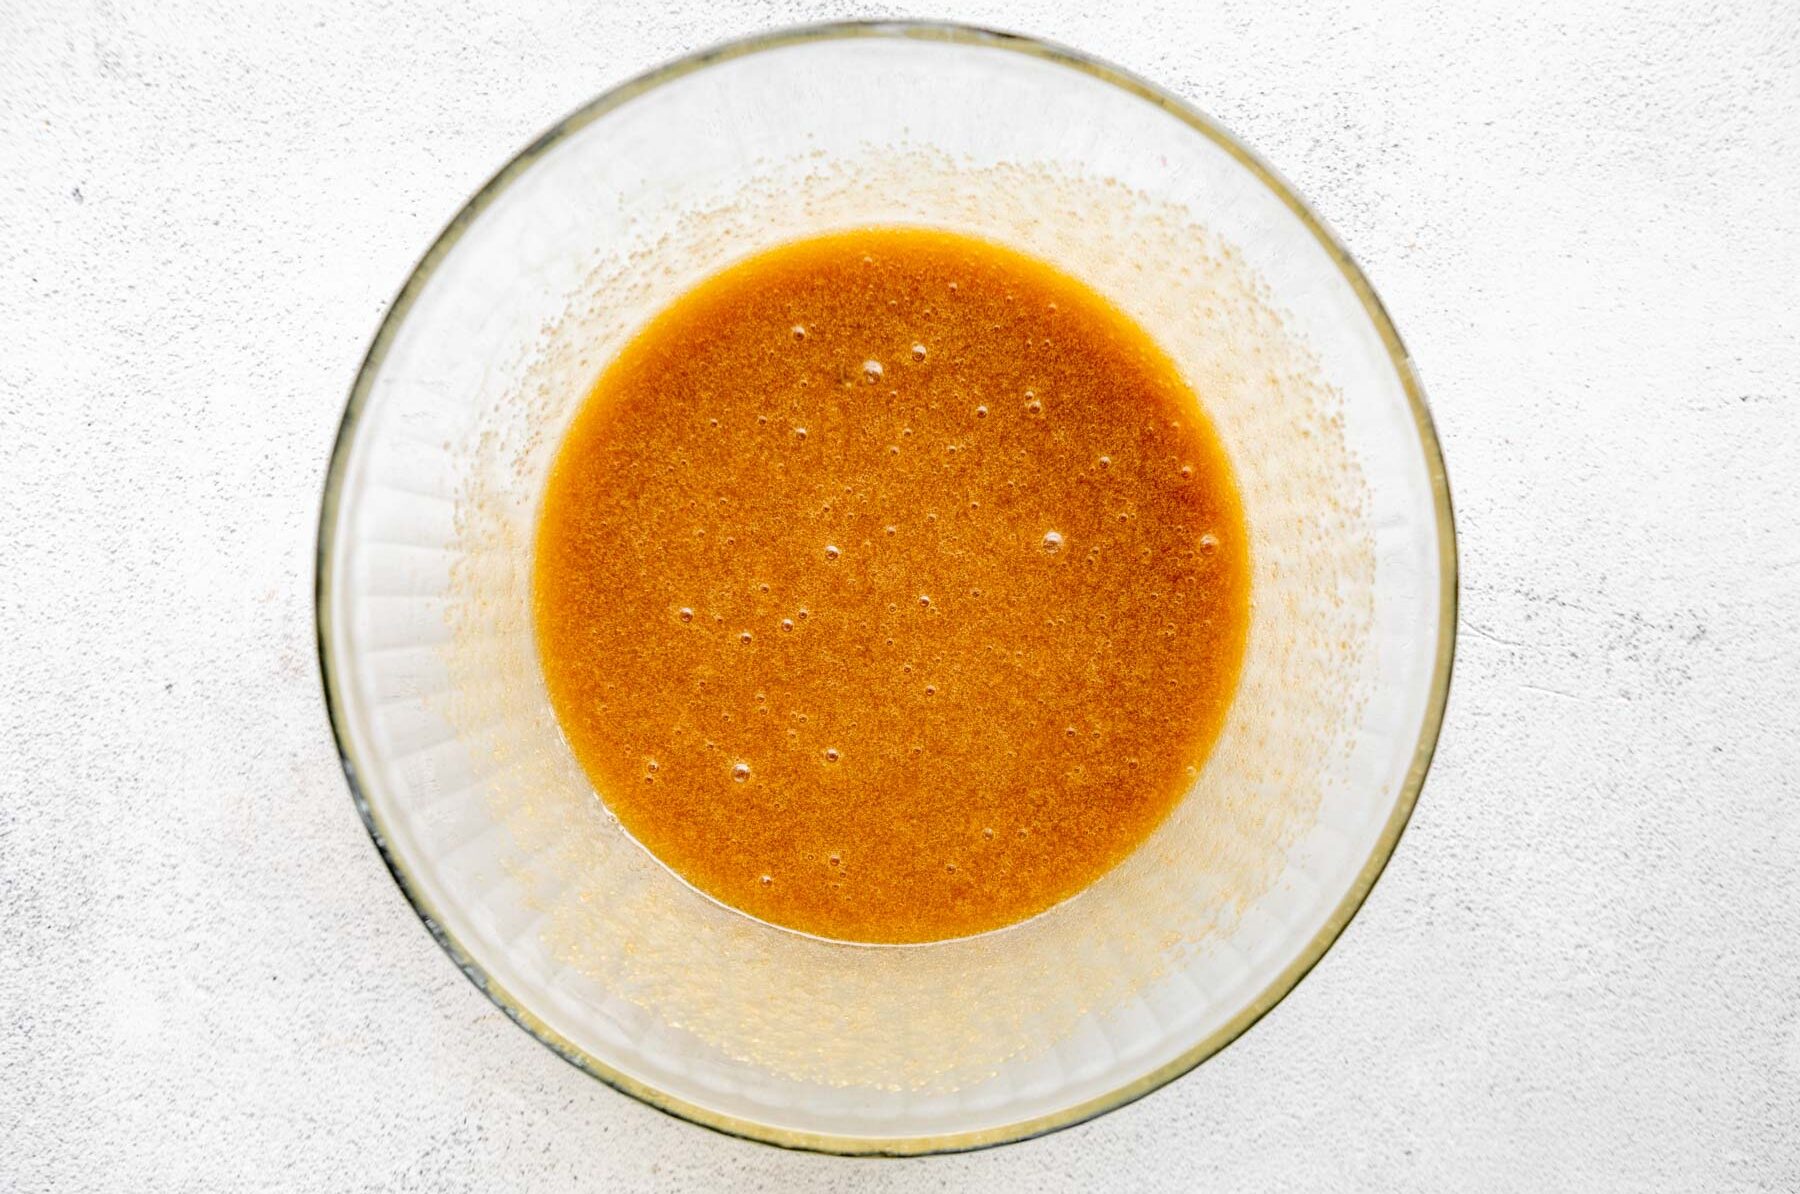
x,y
891,586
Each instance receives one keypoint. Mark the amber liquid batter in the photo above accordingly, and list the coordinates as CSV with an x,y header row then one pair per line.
x,y
891,586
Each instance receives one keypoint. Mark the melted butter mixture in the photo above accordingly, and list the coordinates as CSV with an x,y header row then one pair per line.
x,y
891,586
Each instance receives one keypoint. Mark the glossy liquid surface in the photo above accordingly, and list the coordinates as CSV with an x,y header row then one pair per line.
x,y
891,586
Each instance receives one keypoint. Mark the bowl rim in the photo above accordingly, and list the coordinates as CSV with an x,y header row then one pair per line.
x,y
1285,980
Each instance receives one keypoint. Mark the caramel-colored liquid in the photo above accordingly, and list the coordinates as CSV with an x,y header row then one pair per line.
x,y
891,586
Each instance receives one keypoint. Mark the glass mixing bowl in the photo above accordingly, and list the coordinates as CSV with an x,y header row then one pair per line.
x,y
495,835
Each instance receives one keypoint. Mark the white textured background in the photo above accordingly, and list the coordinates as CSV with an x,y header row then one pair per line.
x,y
1582,969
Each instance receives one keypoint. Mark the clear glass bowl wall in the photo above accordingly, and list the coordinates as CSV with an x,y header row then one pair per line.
x,y
496,836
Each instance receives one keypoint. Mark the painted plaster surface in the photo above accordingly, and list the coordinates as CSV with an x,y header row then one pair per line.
x,y
1581,970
